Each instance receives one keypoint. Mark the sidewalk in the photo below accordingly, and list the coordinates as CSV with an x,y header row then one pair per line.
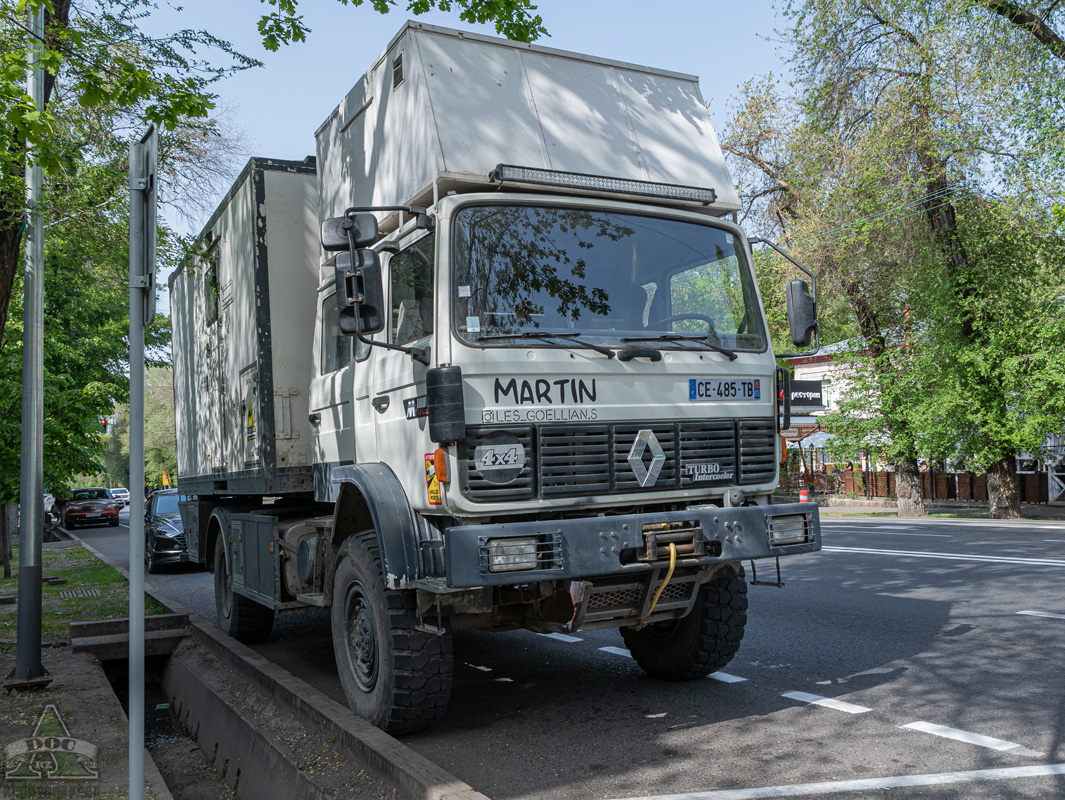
x,y
832,505
70,739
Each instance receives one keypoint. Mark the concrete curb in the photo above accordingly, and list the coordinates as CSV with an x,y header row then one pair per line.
x,y
413,775
383,756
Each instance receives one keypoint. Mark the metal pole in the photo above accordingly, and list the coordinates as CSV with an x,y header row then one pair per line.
x,y
137,268
28,667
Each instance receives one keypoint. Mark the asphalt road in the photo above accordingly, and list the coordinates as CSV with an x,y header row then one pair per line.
x,y
907,659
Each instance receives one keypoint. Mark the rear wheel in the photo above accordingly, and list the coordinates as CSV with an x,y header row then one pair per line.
x,y
393,674
238,616
704,641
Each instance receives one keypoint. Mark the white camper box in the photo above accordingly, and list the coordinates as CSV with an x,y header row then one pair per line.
x,y
243,316
440,109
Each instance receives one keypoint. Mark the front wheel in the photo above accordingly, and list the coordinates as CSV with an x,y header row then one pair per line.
x,y
394,674
238,616
700,643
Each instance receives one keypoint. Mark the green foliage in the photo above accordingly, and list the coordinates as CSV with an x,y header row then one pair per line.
x,y
513,19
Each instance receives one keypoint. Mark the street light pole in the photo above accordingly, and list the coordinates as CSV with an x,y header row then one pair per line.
x,y
29,671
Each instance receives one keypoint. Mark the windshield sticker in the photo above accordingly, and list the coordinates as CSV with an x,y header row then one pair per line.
x,y
464,291
473,324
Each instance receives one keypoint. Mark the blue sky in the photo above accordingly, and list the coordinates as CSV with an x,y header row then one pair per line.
x,y
281,104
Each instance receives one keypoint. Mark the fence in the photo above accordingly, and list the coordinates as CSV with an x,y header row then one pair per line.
x,y
966,486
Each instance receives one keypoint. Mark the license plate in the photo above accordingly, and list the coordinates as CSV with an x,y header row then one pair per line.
x,y
93,515
733,389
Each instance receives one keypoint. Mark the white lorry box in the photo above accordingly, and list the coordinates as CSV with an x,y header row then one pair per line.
x,y
243,315
441,108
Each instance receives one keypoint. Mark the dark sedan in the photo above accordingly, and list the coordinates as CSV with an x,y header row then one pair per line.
x,y
164,537
93,506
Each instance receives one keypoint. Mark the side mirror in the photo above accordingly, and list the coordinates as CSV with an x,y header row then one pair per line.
x,y
802,312
360,293
361,227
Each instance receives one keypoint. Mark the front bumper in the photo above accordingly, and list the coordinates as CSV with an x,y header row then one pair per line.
x,y
596,546
91,517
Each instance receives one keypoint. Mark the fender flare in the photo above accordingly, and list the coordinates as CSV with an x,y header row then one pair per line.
x,y
371,496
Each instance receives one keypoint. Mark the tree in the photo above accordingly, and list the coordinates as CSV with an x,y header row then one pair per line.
x,y
918,109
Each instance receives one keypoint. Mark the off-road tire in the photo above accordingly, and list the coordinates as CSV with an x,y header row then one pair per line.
x,y
700,643
393,674
237,616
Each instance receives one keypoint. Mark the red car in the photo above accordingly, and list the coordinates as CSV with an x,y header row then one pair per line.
x,y
93,506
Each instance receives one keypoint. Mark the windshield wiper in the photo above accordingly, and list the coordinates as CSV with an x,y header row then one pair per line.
x,y
683,338
568,336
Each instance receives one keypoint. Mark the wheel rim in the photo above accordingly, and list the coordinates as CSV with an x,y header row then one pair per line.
x,y
360,629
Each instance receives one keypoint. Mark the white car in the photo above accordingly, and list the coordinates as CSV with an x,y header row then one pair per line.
x,y
121,495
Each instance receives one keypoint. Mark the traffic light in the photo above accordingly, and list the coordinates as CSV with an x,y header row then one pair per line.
x,y
103,423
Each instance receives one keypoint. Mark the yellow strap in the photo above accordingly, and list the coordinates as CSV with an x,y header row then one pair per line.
x,y
669,574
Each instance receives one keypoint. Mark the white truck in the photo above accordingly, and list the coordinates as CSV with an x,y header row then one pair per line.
x,y
495,358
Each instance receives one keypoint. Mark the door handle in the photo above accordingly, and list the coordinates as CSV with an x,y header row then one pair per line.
x,y
315,419
381,403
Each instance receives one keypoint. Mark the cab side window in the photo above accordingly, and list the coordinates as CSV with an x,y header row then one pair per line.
x,y
412,290
335,346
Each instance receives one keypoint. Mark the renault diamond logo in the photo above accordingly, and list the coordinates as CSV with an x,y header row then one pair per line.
x,y
645,440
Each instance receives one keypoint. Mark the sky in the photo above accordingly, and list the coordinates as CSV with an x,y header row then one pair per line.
x,y
280,105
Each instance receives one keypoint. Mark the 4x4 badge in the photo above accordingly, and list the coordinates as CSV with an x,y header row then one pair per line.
x,y
646,440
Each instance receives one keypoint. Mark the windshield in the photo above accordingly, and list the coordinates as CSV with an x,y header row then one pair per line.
x,y
606,276
168,503
92,494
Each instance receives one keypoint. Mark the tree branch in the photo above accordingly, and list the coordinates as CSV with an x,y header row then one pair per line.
x,y
1030,22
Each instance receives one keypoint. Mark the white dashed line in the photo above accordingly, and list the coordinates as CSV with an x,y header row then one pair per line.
x,y
1044,562
617,651
1041,614
724,677
868,784
827,702
961,736
562,637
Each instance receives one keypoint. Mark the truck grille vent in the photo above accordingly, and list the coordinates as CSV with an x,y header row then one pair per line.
x,y
757,450
582,460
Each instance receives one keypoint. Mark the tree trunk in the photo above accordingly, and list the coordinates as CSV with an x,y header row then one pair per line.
x,y
1003,490
6,531
908,488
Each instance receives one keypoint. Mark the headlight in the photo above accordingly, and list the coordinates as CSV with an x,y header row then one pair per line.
x,y
507,555
789,529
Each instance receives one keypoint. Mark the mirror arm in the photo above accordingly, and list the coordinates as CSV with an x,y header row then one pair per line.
x,y
813,293
419,354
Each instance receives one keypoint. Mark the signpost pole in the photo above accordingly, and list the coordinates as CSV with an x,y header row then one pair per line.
x,y
142,189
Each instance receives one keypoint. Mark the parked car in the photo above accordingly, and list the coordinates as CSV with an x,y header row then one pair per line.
x,y
121,494
94,506
49,504
164,538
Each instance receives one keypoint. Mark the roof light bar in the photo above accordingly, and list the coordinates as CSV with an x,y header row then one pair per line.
x,y
505,173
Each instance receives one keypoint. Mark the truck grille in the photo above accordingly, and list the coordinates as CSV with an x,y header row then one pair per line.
x,y
581,460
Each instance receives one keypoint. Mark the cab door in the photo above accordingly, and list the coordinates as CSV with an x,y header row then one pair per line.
x,y
331,397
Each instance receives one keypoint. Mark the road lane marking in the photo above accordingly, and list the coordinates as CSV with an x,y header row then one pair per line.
x,y
1058,541
868,784
617,651
1041,614
882,531
1043,562
961,736
562,637
724,677
827,702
